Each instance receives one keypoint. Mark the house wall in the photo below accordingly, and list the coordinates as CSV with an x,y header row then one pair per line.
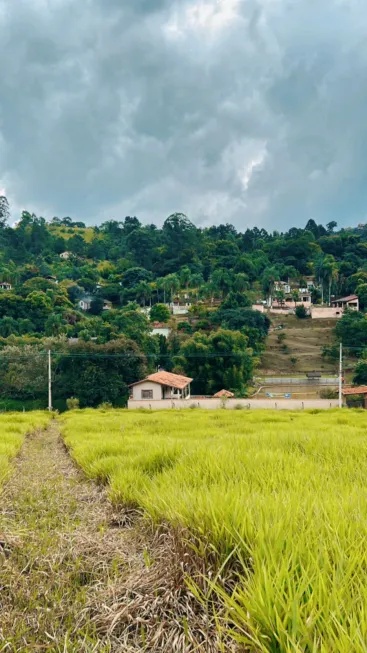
x,y
147,385
326,312
259,307
161,332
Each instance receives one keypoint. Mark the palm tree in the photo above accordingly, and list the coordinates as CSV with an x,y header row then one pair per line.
x,y
240,282
295,296
320,273
330,272
185,276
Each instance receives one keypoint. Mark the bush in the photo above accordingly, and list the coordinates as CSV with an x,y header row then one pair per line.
x,y
72,403
301,312
105,405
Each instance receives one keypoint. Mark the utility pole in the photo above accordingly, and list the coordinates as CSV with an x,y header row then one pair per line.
x,y
340,375
49,382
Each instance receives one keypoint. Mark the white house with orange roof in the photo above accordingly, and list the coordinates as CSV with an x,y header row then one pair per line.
x,y
158,387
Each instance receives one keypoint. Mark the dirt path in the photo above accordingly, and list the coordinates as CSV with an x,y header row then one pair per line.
x,y
72,579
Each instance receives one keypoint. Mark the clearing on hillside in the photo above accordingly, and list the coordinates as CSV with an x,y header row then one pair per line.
x,y
279,498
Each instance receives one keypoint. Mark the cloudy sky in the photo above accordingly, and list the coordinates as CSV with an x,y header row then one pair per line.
x,y
244,111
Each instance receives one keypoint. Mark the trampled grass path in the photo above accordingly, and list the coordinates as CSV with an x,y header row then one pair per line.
x,y
77,577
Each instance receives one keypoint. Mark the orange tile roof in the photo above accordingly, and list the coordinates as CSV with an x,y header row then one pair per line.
x,y
359,390
167,378
224,393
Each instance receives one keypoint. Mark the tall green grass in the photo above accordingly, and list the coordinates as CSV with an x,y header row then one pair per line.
x,y
13,428
285,493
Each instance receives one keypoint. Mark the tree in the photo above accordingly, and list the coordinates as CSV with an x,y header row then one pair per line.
x,y
360,374
351,330
331,226
241,282
185,276
4,211
218,360
96,306
295,296
99,373
362,295
160,313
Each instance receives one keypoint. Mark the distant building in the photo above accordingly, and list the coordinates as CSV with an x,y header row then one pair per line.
x,y
282,286
160,329
51,278
4,285
223,394
107,306
158,387
85,303
351,303
65,256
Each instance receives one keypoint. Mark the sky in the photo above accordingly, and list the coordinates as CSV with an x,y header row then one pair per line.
x,y
251,112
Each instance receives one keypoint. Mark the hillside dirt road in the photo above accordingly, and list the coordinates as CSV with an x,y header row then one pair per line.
x,y
77,576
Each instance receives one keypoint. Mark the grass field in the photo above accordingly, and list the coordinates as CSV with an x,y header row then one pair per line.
x,y
13,428
284,495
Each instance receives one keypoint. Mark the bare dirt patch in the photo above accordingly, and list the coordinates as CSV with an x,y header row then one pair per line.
x,y
77,575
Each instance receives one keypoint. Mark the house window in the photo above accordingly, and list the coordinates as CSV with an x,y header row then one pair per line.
x,y
147,394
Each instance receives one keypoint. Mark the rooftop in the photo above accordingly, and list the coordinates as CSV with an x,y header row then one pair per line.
x,y
350,298
167,378
224,393
359,390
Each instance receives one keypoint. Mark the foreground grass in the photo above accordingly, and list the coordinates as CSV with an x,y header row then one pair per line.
x,y
284,494
13,428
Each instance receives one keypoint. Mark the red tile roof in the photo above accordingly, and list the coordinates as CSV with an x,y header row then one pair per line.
x,y
167,378
359,390
224,393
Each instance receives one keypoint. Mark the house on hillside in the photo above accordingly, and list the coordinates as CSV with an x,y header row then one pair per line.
x,y
351,303
160,329
107,306
158,387
85,303
65,256
4,285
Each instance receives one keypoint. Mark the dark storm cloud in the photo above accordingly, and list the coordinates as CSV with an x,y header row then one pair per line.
x,y
247,111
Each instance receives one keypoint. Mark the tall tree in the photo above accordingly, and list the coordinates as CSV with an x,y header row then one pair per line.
x,y
4,211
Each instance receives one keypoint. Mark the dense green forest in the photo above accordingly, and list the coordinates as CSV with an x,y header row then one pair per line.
x,y
120,267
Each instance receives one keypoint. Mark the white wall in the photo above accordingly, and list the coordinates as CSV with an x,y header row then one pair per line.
x,y
147,385
161,332
326,312
250,404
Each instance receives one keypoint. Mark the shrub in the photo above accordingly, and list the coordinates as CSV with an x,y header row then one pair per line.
x,y
105,405
72,403
160,313
301,312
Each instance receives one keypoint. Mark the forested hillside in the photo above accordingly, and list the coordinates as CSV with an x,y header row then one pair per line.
x,y
80,291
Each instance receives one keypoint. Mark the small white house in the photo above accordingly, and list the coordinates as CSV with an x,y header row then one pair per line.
x,y
85,304
65,256
4,285
158,387
107,306
160,329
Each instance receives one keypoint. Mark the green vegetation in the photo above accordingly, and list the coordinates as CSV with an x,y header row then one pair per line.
x,y
62,284
13,428
279,494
